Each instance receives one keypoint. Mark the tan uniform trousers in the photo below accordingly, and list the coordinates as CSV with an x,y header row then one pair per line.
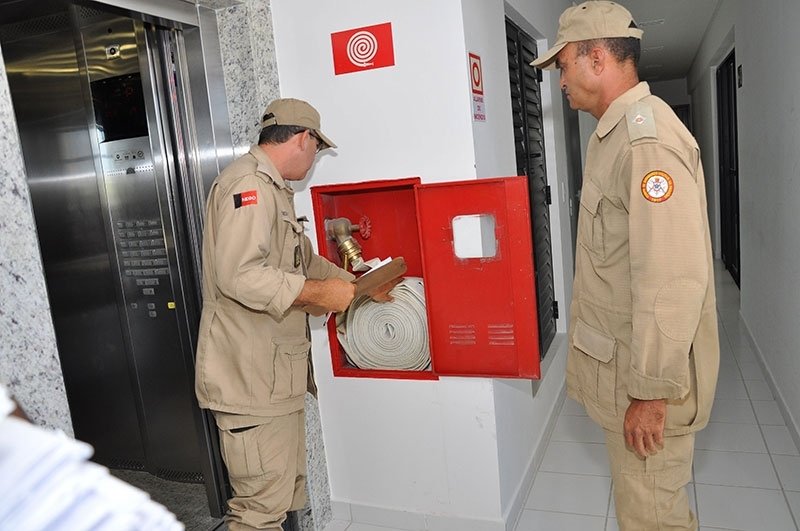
x,y
266,467
650,494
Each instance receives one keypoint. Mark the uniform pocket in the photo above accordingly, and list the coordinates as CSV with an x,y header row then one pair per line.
x,y
240,451
291,368
292,251
593,237
596,369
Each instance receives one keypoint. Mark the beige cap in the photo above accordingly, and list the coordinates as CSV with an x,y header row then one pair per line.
x,y
289,111
595,19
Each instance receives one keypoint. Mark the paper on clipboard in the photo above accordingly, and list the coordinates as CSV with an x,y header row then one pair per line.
x,y
384,272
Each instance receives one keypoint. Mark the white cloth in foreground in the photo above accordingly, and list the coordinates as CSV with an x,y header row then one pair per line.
x,y
47,483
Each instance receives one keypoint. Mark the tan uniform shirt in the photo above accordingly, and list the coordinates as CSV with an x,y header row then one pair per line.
x,y
253,346
644,320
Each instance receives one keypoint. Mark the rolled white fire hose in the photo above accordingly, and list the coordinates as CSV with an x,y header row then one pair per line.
x,y
388,335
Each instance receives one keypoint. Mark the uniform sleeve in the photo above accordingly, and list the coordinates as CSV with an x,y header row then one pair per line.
x,y
320,268
669,274
243,231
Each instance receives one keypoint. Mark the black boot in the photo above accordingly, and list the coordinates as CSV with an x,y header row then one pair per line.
x,y
292,522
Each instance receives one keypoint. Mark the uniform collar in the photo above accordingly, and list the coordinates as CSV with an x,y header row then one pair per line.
x,y
266,167
617,109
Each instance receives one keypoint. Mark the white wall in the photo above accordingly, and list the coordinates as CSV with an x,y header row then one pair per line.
x,y
769,194
458,447
701,84
673,91
769,133
419,446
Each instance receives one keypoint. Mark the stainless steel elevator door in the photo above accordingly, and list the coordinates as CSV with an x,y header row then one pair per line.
x,y
56,144
114,194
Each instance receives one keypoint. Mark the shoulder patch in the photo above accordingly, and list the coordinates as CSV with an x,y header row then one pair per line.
x,y
249,197
657,186
641,123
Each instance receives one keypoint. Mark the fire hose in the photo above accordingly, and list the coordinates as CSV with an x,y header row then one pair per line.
x,y
388,335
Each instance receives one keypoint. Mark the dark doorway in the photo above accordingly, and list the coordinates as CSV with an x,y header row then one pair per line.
x,y
526,108
728,165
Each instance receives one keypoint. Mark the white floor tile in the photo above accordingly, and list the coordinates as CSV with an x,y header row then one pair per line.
x,y
788,467
577,429
794,503
576,458
387,517
729,410
337,525
567,493
758,390
571,407
767,413
545,521
729,388
611,525
734,469
779,441
743,508
751,370
356,526
730,438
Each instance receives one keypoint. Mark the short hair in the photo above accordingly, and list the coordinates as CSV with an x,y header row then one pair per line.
x,y
278,134
622,48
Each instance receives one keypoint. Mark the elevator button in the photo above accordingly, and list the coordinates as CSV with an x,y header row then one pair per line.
x,y
152,314
160,262
134,306
163,271
127,263
129,224
141,234
147,263
128,272
140,154
141,282
151,306
123,244
131,234
131,244
136,263
147,252
135,254
120,224
152,223
148,291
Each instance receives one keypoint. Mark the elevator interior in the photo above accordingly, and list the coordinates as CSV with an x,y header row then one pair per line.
x,y
114,112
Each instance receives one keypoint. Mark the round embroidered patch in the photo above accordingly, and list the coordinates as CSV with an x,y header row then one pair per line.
x,y
657,186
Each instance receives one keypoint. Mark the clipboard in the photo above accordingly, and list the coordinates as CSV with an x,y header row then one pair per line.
x,y
380,275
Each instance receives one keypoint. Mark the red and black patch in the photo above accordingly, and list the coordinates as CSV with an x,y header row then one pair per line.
x,y
245,198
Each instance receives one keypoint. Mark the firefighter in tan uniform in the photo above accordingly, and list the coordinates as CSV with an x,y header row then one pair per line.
x,y
644,351
259,272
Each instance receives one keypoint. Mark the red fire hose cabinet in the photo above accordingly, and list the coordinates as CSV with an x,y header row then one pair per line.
x,y
470,242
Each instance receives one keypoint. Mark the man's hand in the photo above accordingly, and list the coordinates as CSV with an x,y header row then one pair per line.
x,y
330,295
644,426
381,293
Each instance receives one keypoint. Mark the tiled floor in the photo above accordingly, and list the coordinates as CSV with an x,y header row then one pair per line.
x,y
746,469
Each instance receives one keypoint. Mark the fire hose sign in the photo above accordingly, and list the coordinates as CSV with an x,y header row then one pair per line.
x,y
364,48
476,79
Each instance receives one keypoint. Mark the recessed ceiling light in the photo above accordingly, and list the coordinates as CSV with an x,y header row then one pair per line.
x,y
654,22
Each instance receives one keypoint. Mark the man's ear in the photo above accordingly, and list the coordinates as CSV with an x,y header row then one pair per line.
x,y
598,57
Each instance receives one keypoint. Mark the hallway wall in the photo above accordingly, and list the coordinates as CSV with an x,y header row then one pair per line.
x,y
769,133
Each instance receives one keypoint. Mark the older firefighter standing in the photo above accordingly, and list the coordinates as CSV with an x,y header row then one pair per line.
x,y
644,351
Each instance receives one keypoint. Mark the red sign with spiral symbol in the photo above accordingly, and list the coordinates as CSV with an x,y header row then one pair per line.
x,y
364,48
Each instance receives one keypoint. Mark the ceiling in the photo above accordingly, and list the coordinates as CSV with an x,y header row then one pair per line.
x,y
673,31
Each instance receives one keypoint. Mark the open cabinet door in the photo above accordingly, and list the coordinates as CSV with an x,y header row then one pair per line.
x,y
479,284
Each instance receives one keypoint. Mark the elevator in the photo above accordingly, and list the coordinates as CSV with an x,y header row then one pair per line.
x,y
113,108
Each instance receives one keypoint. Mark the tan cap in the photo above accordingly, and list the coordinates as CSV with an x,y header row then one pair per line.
x,y
595,19
289,111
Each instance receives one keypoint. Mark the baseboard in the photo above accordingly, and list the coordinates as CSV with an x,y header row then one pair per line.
x,y
408,521
521,495
788,418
